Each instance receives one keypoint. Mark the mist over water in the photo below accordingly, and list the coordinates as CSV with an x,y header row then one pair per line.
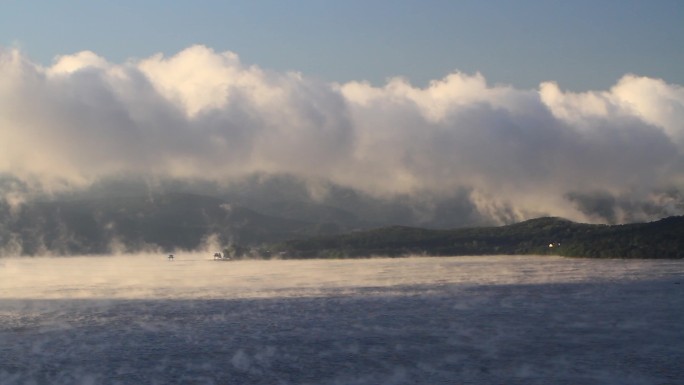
x,y
197,276
477,320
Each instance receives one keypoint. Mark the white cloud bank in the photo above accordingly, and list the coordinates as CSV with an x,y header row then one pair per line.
x,y
203,114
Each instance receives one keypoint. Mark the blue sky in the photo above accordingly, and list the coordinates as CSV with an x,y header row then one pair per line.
x,y
583,45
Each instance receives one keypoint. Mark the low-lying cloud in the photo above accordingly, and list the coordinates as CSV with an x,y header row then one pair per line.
x,y
614,155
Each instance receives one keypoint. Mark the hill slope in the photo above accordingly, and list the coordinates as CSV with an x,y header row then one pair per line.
x,y
162,222
660,239
173,221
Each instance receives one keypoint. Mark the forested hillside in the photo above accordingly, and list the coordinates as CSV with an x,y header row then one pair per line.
x,y
660,239
132,224
183,221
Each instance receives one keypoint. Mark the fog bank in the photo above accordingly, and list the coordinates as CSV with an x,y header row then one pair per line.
x,y
611,155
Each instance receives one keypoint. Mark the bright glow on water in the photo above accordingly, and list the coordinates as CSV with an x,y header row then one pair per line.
x,y
197,276
476,320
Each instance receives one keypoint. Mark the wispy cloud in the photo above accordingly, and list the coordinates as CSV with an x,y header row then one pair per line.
x,y
206,115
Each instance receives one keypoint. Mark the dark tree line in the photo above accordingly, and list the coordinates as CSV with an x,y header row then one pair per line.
x,y
543,236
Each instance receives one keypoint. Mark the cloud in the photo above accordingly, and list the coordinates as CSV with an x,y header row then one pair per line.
x,y
205,115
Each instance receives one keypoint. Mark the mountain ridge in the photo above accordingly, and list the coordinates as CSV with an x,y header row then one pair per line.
x,y
170,221
663,238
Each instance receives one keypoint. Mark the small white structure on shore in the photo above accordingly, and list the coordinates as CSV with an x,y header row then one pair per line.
x,y
170,257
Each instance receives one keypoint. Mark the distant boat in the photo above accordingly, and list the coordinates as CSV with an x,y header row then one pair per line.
x,y
221,257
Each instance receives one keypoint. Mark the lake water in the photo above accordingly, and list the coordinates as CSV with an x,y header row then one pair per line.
x,y
460,320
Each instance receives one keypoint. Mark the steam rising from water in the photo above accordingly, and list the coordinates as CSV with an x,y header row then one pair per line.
x,y
605,155
476,320
197,276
